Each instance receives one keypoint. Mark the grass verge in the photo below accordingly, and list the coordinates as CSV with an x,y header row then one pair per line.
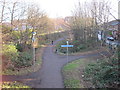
x,y
73,73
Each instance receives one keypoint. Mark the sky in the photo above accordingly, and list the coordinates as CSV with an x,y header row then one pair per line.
x,y
63,8
56,8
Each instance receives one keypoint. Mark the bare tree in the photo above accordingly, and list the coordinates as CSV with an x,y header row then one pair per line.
x,y
89,17
100,11
81,21
13,9
2,9
38,19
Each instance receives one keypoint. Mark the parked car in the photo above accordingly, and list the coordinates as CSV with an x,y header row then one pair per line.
x,y
110,38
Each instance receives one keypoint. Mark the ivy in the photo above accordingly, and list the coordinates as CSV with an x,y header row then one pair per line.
x,y
103,73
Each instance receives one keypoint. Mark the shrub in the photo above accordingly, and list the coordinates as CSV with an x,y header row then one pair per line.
x,y
22,47
77,47
80,47
104,73
10,52
14,59
61,49
19,47
24,59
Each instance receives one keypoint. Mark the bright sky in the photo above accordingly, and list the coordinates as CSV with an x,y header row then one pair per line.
x,y
56,8
62,8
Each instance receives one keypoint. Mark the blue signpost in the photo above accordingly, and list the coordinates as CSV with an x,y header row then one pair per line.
x,y
66,45
67,48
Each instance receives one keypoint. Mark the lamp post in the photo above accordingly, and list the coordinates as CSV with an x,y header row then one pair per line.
x,y
33,41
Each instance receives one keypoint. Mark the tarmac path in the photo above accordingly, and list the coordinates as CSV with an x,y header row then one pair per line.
x,y
50,74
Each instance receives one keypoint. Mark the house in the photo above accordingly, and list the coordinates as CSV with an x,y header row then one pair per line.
x,y
113,33
113,27
22,26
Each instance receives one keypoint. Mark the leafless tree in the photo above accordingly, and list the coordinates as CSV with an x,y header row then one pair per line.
x,y
89,17
39,21
3,3
81,21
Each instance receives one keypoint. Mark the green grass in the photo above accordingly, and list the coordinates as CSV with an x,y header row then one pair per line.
x,y
15,84
72,83
71,66
72,72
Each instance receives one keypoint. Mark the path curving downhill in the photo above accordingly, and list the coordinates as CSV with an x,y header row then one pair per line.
x,y
50,75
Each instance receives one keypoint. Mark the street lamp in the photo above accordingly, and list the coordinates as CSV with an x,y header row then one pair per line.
x,y
33,41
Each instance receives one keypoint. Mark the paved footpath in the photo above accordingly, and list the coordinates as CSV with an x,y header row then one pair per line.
x,y
50,75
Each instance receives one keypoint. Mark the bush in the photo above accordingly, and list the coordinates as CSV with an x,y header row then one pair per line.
x,y
10,52
19,47
104,73
77,47
23,47
14,59
24,59
61,49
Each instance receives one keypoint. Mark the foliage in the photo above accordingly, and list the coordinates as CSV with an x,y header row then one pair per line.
x,y
5,29
14,85
59,48
110,33
10,52
16,35
19,47
72,83
18,59
24,59
79,45
25,70
23,47
104,73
